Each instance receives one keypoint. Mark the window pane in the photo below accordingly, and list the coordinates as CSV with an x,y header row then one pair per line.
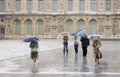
x,y
2,5
40,27
18,5
40,5
82,5
18,27
29,6
55,5
82,24
70,5
29,27
69,25
93,5
108,5
93,25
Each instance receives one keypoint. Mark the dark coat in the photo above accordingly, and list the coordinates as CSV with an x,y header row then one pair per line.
x,y
85,41
34,44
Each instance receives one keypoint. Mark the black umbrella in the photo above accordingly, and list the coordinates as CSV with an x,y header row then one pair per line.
x,y
30,39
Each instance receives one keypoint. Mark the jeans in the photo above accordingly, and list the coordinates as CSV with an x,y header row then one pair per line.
x,y
65,47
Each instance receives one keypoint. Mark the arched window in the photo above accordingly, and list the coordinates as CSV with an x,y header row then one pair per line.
x,y
40,25
17,27
81,23
70,26
93,26
29,26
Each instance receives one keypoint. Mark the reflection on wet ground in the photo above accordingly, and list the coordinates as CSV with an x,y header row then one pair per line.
x,y
54,64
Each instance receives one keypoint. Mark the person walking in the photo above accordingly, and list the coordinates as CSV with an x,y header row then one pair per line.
x,y
85,43
34,52
65,44
96,45
76,44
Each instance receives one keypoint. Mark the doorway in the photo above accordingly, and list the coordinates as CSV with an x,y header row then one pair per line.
x,y
54,32
2,32
107,31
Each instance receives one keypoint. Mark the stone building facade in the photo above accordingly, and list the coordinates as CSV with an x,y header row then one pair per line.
x,y
48,18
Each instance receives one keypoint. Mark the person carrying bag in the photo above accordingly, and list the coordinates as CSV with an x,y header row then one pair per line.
x,y
97,54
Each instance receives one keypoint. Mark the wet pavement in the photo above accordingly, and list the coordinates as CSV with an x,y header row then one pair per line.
x,y
52,63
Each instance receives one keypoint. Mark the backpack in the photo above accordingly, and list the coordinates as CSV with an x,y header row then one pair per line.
x,y
32,45
99,54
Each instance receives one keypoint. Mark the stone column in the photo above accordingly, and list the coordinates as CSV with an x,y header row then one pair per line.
x,y
87,6
87,25
35,6
34,26
22,27
75,25
24,5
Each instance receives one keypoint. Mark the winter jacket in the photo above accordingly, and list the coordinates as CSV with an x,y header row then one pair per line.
x,y
85,41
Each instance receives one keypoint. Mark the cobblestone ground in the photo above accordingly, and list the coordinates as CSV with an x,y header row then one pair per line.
x,y
52,63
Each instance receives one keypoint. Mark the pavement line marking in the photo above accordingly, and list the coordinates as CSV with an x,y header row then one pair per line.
x,y
65,72
60,73
72,73
111,73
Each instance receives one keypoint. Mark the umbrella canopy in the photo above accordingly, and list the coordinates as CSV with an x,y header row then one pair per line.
x,y
80,33
30,39
36,38
95,37
63,34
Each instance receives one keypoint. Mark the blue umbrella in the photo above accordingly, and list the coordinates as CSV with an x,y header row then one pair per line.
x,y
80,33
36,38
95,37
30,39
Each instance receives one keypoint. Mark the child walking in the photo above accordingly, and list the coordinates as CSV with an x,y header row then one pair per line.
x,y
76,44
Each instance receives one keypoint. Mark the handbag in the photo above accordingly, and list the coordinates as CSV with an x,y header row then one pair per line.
x,y
99,54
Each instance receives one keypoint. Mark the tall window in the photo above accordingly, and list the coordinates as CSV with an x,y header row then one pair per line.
x,y
70,26
17,27
93,5
40,5
70,5
40,26
81,24
108,5
82,5
2,5
93,26
29,26
18,5
29,6
55,5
